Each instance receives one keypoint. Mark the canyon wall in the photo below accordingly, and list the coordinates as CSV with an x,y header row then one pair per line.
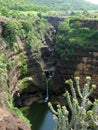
x,y
84,63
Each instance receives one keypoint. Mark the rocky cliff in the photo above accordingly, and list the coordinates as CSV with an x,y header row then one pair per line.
x,y
84,60
39,62
13,64
84,63
9,121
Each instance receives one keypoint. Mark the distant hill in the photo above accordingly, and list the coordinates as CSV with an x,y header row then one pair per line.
x,y
42,5
13,3
67,4
21,5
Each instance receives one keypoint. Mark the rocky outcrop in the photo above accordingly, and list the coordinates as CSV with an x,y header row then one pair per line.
x,y
54,21
84,63
92,24
9,75
9,121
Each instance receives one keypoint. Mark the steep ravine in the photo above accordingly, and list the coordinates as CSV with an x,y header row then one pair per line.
x,y
38,63
8,118
82,64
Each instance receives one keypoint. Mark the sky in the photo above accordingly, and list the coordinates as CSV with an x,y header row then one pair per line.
x,y
93,1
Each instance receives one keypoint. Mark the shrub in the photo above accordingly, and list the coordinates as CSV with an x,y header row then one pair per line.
x,y
3,70
4,11
23,65
10,30
73,33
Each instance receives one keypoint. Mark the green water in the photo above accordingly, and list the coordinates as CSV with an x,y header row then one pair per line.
x,y
40,116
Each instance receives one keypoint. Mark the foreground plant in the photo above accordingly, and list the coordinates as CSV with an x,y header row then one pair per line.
x,y
81,113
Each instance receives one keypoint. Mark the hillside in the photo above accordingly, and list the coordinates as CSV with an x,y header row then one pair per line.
x,y
21,5
67,4
46,4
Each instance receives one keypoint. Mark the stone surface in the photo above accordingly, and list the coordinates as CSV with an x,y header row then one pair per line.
x,y
9,121
84,63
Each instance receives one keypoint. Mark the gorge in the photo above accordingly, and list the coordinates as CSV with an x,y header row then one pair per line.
x,y
27,67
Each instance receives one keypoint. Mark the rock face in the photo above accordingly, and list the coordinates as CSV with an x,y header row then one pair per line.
x,y
93,24
8,83
9,121
84,63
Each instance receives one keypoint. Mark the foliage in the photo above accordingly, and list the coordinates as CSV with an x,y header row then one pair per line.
x,y
27,26
3,70
75,32
4,11
10,65
22,5
66,4
18,7
83,114
15,109
23,65
26,83
10,30
34,32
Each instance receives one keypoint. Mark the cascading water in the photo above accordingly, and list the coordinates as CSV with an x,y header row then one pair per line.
x,y
47,95
49,75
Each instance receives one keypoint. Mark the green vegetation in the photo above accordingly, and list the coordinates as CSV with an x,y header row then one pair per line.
x,y
32,29
32,7
10,30
26,83
22,5
21,28
17,8
66,4
74,33
3,70
15,109
34,32
83,113
23,65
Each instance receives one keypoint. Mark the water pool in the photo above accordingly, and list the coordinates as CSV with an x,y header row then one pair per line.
x,y
40,116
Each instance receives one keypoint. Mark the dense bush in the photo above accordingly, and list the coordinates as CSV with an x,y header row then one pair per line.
x,y
73,33
10,30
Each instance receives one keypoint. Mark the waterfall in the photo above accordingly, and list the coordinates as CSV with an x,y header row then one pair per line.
x,y
47,94
49,75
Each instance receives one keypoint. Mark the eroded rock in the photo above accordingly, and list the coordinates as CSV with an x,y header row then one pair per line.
x,y
9,121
